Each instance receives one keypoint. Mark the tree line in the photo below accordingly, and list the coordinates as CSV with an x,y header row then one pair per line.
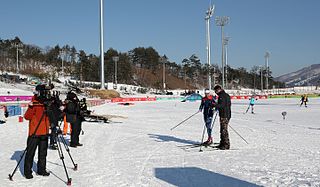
x,y
133,67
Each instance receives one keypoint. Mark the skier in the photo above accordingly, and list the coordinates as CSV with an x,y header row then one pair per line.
x,y
207,108
304,99
38,137
224,107
251,104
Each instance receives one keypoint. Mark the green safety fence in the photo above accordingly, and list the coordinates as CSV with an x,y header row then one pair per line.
x,y
169,98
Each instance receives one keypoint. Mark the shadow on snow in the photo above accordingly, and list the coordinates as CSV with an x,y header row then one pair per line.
x,y
17,156
166,138
193,176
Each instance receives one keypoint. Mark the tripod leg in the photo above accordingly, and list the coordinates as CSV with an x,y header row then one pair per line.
x,y
15,169
68,151
62,159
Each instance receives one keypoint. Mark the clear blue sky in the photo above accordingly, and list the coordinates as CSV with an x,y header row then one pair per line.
x,y
289,29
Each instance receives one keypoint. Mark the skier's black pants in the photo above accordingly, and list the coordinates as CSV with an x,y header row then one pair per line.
x,y
76,129
305,103
251,107
32,143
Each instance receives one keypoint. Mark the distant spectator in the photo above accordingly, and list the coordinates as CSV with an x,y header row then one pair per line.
x,y
304,99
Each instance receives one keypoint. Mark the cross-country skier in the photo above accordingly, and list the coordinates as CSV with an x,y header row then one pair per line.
x,y
224,107
251,104
304,99
207,108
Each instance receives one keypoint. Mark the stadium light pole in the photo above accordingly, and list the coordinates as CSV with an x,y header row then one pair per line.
x,y
209,14
163,60
101,46
115,59
261,78
222,21
17,45
226,42
266,56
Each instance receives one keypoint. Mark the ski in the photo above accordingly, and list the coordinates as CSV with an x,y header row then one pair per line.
x,y
190,146
196,144
211,147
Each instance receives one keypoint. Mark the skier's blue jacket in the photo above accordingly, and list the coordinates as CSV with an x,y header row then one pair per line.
x,y
252,100
206,106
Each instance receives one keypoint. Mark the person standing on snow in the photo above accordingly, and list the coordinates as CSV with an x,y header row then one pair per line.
x,y
224,107
304,99
207,108
38,137
74,117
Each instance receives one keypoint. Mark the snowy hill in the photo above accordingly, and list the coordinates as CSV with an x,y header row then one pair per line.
x,y
303,77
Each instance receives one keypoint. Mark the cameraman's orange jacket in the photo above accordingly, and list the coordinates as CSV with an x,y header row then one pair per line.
x,y
33,114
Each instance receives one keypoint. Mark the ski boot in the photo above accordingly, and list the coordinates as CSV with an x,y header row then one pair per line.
x,y
208,142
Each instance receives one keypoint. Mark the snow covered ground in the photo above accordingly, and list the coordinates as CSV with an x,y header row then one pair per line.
x,y
142,150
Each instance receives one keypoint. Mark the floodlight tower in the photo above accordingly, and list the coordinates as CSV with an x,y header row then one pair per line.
x,y
266,56
221,21
62,53
115,59
209,14
17,45
101,46
261,77
225,43
163,60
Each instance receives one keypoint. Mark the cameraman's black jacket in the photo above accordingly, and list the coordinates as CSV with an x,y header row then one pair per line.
x,y
72,110
224,105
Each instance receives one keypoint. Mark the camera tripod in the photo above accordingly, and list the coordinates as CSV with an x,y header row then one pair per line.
x,y
57,136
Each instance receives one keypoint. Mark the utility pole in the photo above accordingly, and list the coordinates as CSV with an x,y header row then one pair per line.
x,y
209,14
266,56
115,59
101,46
221,21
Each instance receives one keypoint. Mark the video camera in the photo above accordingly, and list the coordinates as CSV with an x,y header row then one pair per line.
x,y
43,91
51,100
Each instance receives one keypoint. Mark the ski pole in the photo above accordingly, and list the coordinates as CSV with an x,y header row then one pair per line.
x,y
184,120
238,134
247,109
212,125
204,128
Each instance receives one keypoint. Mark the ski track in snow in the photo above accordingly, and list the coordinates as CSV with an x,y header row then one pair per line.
x,y
143,151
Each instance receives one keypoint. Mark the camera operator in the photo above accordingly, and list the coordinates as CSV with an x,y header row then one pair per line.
x,y
73,115
55,115
38,134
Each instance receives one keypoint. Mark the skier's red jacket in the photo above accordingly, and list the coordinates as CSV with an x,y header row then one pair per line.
x,y
33,114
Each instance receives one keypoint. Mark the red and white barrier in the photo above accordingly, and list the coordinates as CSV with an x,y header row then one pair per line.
x,y
248,97
132,99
